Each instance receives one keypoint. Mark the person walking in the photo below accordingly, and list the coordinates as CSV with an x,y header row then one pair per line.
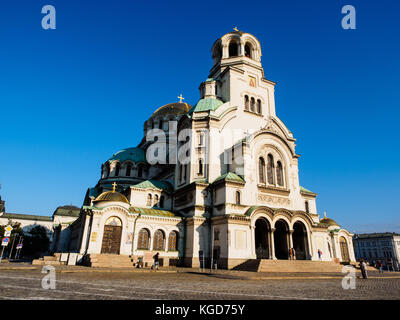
x,y
319,254
380,266
363,268
155,263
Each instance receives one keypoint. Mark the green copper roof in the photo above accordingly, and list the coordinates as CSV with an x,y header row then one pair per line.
x,y
206,104
304,190
134,154
68,211
154,184
154,212
25,217
230,176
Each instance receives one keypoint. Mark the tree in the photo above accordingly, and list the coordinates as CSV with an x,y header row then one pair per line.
x,y
35,242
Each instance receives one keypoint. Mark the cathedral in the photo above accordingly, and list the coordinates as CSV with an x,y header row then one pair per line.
x,y
215,181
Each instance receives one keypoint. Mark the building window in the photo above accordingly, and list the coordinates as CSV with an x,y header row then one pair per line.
x,y
143,239
140,171
259,106
156,200
173,239
158,242
307,207
162,202
107,170
149,200
233,49
246,103
252,104
261,170
237,197
200,167
128,170
117,168
160,124
270,169
247,51
279,174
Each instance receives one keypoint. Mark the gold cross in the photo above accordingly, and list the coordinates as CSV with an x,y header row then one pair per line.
x,y
180,98
114,186
235,28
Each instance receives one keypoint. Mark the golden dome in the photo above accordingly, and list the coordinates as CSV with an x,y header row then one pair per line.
x,y
176,109
112,196
329,222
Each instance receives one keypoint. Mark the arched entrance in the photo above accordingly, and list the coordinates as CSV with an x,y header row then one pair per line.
x,y
344,250
281,240
112,236
300,241
261,238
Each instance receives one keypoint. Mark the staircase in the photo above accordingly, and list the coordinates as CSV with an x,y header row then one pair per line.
x,y
293,266
109,261
48,260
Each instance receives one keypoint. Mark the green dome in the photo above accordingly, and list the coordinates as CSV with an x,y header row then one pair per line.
x,y
207,104
133,154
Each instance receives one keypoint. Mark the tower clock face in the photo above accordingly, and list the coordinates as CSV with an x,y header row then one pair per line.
x,y
252,82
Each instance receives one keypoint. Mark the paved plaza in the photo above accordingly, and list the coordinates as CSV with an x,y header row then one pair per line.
x,y
86,283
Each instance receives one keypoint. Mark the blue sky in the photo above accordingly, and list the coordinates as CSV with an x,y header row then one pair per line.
x,y
71,97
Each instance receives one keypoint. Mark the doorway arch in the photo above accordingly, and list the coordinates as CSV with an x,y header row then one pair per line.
x,y
300,240
281,240
112,236
261,234
344,249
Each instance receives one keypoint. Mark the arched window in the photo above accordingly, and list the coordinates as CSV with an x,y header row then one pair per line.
x,y
261,170
279,174
160,124
185,172
158,242
107,170
246,103
173,239
117,168
128,170
238,197
149,200
233,49
307,207
270,169
156,200
252,104
200,167
143,239
259,106
162,202
140,171
247,51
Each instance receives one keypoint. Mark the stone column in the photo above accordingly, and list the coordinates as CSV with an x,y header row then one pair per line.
x,y
272,251
253,241
291,238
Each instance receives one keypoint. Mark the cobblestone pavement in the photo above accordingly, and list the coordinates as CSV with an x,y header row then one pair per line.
x,y
27,284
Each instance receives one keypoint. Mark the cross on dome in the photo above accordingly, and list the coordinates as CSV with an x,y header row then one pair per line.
x,y
235,28
180,98
114,186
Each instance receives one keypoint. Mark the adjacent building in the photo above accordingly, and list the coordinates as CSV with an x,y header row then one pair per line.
x,y
378,246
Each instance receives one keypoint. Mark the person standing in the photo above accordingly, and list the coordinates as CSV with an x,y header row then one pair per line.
x,y
380,266
319,254
363,268
155,263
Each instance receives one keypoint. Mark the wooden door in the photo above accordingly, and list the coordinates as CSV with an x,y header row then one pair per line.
x,y
111,239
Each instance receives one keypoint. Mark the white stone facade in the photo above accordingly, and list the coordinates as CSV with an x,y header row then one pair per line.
x,y
238,196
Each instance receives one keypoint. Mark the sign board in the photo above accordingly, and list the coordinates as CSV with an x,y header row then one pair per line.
x,y
7,233
72,259
8,228
19,246
5,241
64,257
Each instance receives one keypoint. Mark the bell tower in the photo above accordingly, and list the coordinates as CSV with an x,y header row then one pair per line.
x,y
239,75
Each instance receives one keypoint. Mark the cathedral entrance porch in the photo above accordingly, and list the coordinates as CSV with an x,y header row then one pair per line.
x,y
262,234
112,236
300,243
281,239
